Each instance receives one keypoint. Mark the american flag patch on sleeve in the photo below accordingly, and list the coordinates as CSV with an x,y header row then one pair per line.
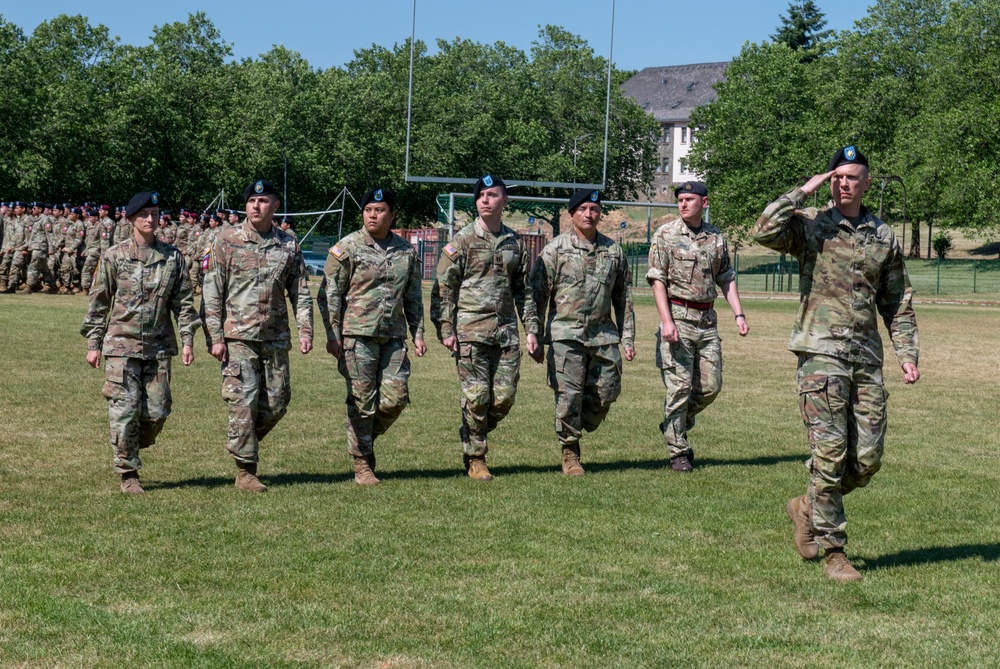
x,y
337,252
450,250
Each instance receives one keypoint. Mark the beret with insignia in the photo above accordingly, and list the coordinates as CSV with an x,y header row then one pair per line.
x,y
380,195
693,187
259,187
581,196
487,181
848,154
38,203
141,201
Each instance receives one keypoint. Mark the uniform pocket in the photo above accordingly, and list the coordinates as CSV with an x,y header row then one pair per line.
x,y
114,379
682,268
232,381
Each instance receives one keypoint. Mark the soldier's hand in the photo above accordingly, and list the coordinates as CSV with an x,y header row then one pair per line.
x,y
450,343
535,350
813,184
668,332
94,359
305,345
630,353
187,356
419,347
742,326
218,351
910,373
333,347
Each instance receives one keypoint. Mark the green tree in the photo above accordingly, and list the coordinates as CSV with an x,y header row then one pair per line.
x,y
802,30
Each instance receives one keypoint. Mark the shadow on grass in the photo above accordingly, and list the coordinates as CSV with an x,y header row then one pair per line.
x,y
919,556
289,479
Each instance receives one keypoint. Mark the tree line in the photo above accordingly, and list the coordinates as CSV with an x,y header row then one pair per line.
x,y
915,85
86,116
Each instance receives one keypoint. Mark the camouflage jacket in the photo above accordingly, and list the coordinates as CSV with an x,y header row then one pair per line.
x,y
480,283
371,291
847,277
181,238
578,283
73,233
196,242
107,230
167,233
691,264
35,236
53,232
92,238
245,284
123,230
140,297
13,232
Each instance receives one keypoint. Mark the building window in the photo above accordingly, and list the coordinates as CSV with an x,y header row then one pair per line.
x,y
684,135
665,166
665,135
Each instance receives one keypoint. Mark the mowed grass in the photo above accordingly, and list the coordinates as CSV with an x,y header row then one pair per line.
x,y
630,566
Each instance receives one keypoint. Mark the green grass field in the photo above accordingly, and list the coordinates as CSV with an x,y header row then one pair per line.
x,y
630,566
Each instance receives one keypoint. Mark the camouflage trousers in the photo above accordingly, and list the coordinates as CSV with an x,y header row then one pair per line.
x,y
377,372
257,390
6,260
38,270
488,375
586,380
52,266
16,272
138,395
843,408
69,272
194,271
691,369
89,268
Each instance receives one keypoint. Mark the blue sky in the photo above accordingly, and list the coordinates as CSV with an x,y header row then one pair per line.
x,y
647,33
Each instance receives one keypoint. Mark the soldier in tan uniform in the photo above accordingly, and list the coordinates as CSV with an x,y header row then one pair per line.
x,y
688,260
476,300
851,273
139,283
252,268
373,293
580,279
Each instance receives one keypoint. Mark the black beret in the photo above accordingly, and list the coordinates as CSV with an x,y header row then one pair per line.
x,y
259,187
380,195
141,201
487,181
48,206
848,154
66,205
166,213
581,196
76,210
38,203
693,187
19,203
56,205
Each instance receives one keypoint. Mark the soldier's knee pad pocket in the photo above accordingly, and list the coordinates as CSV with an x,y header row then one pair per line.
x,y
814,403
232,381
114,379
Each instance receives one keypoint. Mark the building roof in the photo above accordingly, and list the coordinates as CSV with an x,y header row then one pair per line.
x,y
670,93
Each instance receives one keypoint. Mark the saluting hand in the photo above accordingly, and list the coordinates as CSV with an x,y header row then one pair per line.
x,y
813,184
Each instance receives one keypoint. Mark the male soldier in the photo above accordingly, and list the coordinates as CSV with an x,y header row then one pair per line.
x,y
92,243
11,233
140,282
74,233
850,272
123,229
580,276
688,259
373,291
55,235
196,244
37,249
252,268
480,283
108,227
288,226
231,218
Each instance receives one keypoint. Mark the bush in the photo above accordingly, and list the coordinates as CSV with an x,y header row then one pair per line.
x,y
942,244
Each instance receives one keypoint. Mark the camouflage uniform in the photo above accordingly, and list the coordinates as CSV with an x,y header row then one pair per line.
x,y
691,264
848,277
123,230
129,321
10,250
38,248
480,283
243,298
54,236
92,243
108,228
73,233
373,291
578,284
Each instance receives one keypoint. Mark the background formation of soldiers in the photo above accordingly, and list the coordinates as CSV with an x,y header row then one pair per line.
x,y
56,247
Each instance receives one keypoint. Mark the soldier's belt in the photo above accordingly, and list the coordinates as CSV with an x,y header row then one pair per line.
x,y
704,306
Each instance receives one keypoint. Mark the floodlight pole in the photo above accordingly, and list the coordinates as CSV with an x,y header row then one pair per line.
x,y
409,101
607,102
285,200
451,215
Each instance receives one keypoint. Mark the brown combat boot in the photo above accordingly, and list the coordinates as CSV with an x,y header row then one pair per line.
x,y
246,477
364,470
476,468
571,461
681,463
130,484
798,512
839,568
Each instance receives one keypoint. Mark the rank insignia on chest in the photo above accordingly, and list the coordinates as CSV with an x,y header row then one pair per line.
x,y
337,252
450,250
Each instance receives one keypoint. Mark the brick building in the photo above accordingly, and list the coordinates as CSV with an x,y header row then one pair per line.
x,y
670,94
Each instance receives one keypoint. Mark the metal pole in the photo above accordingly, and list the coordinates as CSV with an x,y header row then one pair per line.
x,y
974,268
340,228
649,217
285,201
451,215
409,101
329,206
607,104
938,290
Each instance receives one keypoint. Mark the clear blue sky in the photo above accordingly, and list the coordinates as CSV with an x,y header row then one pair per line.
x,y
647,33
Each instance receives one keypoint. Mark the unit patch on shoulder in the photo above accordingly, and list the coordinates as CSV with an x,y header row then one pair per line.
x,y
337,252
450,250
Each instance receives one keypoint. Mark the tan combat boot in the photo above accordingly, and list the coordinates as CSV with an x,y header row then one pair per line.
x,y
798,512
477,470
246,477
839,568
571,461
364,470
130,484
